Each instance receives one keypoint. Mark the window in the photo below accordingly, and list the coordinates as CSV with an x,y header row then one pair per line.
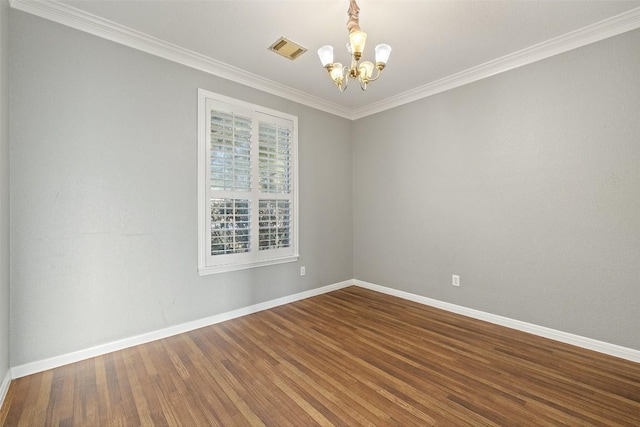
x,y
247,185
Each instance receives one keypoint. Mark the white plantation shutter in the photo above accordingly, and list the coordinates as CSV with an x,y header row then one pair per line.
x,y
230,226
274,219
230,152
275,139
275,157
248,188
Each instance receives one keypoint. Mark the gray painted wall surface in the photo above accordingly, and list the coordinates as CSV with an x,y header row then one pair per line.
x,y
526,184
104,208
4,189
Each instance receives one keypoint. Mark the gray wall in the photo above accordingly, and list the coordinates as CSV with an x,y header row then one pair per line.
x,y
526,184
104,185
4,189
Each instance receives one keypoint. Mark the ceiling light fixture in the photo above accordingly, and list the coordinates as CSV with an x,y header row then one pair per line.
x,y
357,70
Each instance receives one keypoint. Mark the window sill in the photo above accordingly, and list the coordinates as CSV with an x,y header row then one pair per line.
x,y
206,270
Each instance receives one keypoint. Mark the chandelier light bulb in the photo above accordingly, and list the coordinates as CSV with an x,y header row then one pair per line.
x,y
336,72
326,55
382,53
366,70
357,39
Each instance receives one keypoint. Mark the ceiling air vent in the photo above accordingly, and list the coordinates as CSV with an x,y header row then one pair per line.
x,y
285,47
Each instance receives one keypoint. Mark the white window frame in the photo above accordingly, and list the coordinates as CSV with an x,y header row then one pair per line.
x,y
208,264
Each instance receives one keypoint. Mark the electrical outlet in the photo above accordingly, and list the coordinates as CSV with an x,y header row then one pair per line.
x,y
303,271
455,280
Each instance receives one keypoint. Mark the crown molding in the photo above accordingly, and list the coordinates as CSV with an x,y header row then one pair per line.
x,y
609,27
89,23
80,20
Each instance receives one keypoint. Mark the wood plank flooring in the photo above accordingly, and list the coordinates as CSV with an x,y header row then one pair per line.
x,y
347,358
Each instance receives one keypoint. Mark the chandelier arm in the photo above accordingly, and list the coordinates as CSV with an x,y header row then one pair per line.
x,y
373,79
345,79
346,76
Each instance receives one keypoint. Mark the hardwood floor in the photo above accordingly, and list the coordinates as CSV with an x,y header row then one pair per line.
x,y
347,358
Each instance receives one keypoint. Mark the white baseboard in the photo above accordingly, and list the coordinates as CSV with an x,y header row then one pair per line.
x,y
65,359
4,386
565,337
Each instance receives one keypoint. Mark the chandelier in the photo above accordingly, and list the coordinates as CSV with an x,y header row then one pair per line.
x,y
363,71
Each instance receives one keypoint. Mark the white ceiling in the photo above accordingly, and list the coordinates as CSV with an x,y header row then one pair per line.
x,y
430,39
